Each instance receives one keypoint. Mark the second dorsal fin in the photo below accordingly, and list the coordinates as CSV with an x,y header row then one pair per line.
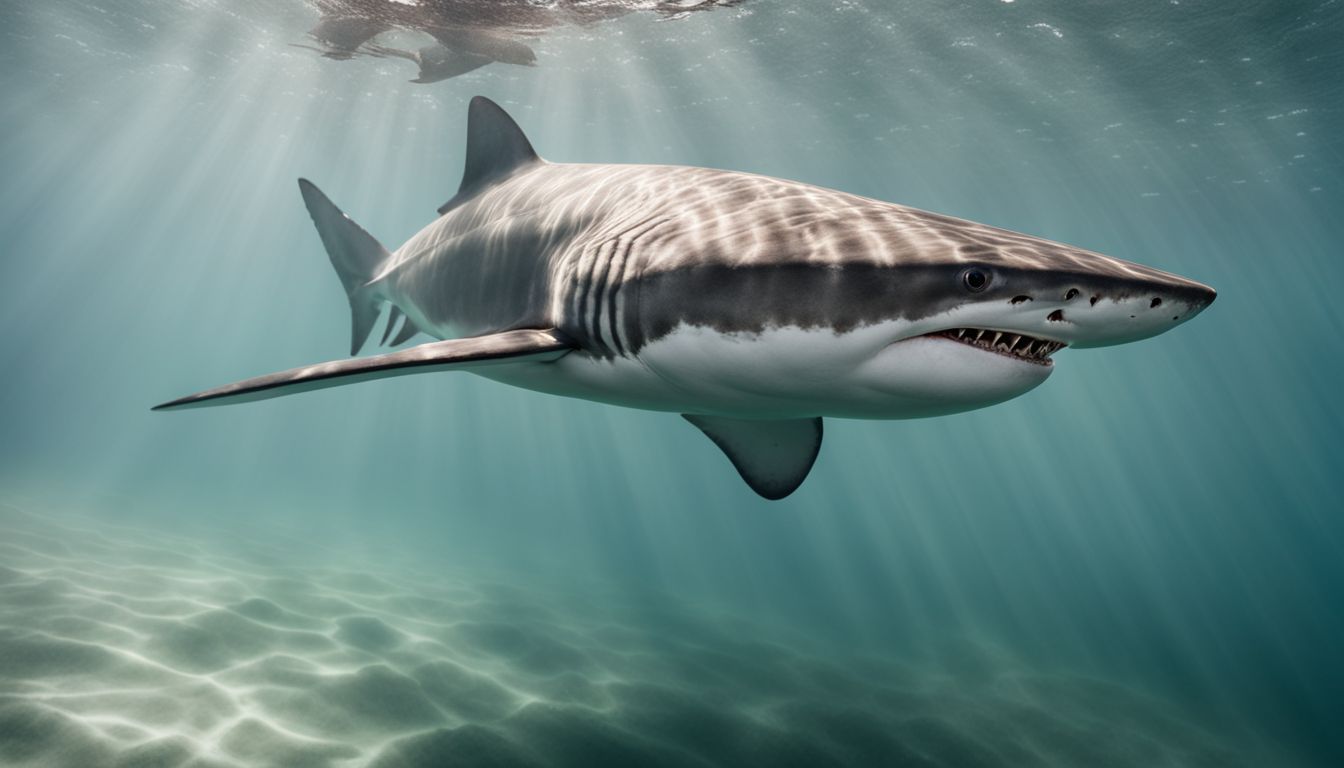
x,y
496,147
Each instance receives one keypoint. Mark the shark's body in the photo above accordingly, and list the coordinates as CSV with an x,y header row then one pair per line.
x,y
754,306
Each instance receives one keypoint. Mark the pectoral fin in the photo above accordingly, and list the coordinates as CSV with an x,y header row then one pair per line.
x,y
773,456
455,354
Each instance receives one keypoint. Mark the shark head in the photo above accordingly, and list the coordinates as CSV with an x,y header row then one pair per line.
x,y
861,309
999,313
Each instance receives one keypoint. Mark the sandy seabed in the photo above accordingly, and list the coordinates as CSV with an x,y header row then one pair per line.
x,y
132,647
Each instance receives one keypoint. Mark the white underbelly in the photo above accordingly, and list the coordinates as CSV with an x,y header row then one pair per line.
x,y
619,381
786,373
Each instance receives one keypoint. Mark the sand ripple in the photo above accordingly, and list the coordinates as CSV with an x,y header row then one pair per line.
x,y
131,647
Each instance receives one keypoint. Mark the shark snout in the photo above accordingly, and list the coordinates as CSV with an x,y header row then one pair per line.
x,y
1107,312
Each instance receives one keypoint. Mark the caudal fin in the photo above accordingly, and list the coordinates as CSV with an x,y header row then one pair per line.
x,y
355,255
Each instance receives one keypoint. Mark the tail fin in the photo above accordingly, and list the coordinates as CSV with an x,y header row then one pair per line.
x,y
355,255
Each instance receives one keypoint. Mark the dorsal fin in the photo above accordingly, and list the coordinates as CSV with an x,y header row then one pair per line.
x,y
496,147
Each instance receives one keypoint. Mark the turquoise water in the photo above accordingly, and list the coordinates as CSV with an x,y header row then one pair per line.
x,y
1139,563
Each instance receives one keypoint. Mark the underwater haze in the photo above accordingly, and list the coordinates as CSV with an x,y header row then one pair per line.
x,y
1139,563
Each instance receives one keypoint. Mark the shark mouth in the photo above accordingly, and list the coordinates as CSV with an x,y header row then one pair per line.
x,y
1018,346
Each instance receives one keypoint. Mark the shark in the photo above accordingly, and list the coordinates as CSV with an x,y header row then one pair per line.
x,y
753,306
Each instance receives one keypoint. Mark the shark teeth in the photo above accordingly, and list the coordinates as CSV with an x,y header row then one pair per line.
x,y
1020,346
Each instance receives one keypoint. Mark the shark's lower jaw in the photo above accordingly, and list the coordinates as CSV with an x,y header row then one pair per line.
x,y
1018,346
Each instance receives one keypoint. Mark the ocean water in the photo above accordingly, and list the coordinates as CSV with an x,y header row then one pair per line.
x,y
1140,563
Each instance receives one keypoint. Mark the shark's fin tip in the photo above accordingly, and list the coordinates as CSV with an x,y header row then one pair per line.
x,y
773,456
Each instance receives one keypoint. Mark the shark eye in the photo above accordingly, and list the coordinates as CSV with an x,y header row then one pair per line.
x,y
975,279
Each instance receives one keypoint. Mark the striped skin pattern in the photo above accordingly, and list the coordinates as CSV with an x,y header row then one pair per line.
x,y
620,256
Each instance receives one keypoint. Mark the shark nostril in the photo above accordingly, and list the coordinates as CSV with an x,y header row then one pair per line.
x,y
1157,302
1019,299
1069,296
1093,301
1056,316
